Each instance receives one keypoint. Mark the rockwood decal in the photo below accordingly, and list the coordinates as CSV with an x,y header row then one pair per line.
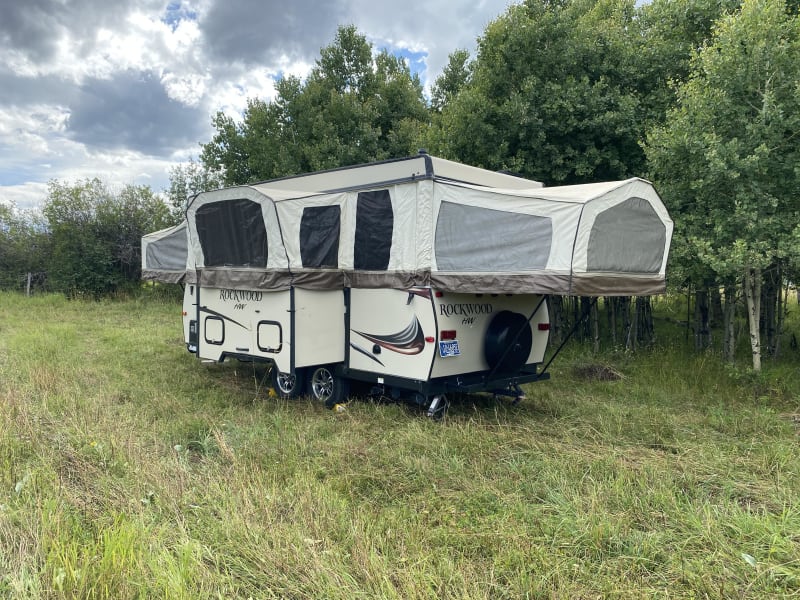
x,y
240,295
465,309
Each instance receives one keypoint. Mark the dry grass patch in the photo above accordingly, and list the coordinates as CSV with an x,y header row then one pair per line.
x,y
130,470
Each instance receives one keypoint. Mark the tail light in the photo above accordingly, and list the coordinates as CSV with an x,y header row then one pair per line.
x,y
544,326
447,334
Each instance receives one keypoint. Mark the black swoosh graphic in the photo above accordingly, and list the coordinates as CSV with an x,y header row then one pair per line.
x,y
358,348
409,341
221,316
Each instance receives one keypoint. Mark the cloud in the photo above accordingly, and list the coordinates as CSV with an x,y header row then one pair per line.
x,y
435,28
26,150
124,90
134,111
258,32
17,90
37,30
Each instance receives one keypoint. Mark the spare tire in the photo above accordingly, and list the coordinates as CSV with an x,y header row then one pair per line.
x,y
508,342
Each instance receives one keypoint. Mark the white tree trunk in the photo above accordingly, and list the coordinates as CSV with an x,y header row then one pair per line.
x,y
752,293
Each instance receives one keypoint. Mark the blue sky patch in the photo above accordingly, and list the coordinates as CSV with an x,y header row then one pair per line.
x,y
177,12
416,60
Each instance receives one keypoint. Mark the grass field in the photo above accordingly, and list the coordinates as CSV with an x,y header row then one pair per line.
x,y
130,470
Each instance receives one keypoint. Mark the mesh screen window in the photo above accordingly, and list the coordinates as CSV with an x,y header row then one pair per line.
x,y
471,238
232,233
319,236
374,227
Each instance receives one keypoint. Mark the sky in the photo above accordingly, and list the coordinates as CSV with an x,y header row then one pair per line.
x,y
124,90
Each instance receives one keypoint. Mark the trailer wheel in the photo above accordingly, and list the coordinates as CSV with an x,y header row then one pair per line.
x,y
498,349
327,386
286,384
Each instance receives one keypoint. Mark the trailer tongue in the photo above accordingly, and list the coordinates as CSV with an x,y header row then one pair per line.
x,y
421,276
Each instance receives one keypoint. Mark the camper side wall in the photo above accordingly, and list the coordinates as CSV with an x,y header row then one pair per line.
x,y
319,327
470,323
244,323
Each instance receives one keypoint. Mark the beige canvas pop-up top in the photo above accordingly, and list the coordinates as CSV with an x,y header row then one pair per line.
x,y
165,254
421,223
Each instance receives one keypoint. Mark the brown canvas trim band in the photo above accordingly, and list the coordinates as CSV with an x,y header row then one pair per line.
x,y
398,280
250,279
592,284
502,283
542,282
164,276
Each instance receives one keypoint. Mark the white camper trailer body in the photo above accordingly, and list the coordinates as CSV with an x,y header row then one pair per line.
x,y
416,339
417,274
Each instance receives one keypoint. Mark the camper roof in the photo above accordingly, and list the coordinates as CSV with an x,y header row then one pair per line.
x,y
421,221
412,168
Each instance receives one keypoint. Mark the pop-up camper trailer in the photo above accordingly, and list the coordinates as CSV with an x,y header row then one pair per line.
x,y
419,275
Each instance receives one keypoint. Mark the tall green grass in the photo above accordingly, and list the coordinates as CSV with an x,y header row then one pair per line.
x,y
130,470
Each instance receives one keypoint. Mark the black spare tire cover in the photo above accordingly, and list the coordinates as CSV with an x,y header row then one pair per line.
x,y
508,342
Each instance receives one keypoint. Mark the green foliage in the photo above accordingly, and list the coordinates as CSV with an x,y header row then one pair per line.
x,y
455,76
130,470
351,109
24,247
563,91
186,180
673,31
552,94
96,235
726,160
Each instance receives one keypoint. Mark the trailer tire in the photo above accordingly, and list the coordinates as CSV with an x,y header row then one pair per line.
x,y
502,331
327,386
287,385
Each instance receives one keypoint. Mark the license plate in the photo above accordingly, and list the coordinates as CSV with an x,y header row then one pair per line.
x,y
449,348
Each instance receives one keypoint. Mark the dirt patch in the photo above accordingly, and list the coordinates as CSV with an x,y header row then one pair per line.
x,y
793,418
597,372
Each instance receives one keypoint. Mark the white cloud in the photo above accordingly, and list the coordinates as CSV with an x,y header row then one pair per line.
x,y
188,89
122,91
25,196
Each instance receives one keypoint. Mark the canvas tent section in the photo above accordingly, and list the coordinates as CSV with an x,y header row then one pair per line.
x,y
164,254
596,239
236,241
380,240
625,232
590,240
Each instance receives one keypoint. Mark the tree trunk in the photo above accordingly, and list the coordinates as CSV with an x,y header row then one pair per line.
x,y
575,304
625,309
615,320
688,313
783,299
647,333
770,298
556,309
585,313
596,327
752,294
702,336
729,323
633,331
715,305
